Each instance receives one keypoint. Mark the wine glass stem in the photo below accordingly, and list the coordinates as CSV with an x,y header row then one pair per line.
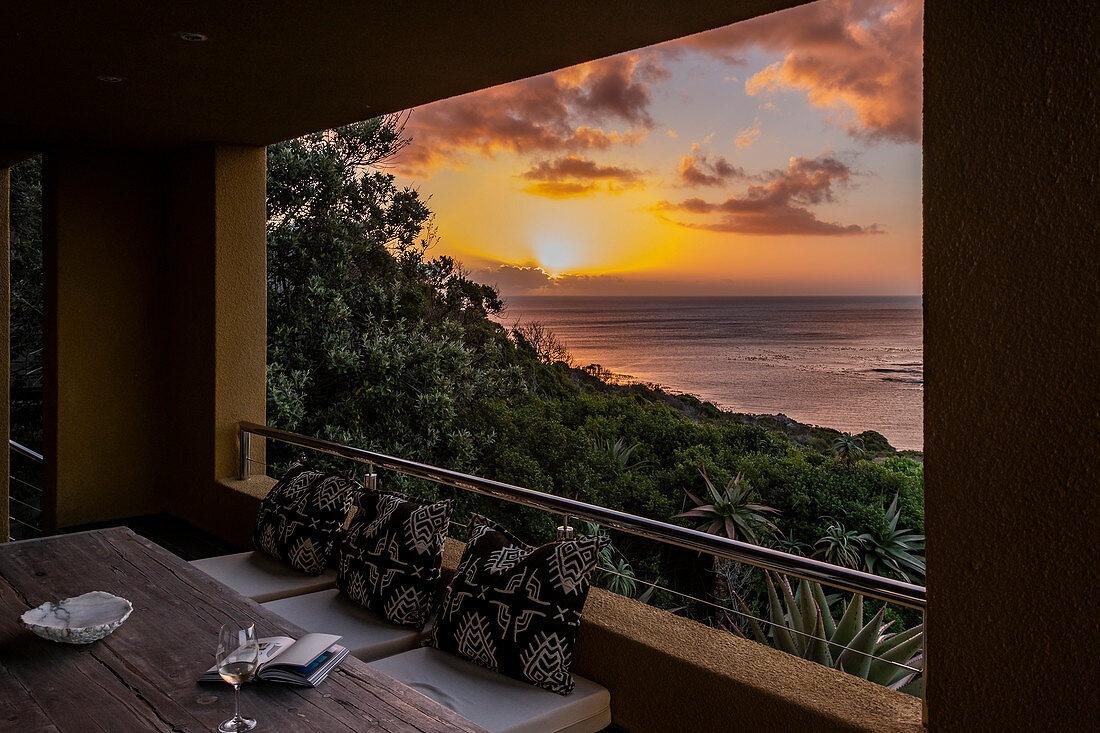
x,y
237,701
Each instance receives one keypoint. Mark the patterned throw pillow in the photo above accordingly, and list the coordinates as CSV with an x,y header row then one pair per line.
x,y
390,558
516,609
301,517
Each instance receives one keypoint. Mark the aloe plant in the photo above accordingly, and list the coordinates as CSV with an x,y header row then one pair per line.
x,y
899,550
848,447
730,513
803,625
613,570
619,452
840,546
791,545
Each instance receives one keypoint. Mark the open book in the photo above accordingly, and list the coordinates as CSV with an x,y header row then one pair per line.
x,y
306,662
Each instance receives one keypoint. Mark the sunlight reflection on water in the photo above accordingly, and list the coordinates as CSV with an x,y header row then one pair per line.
x,y
848,363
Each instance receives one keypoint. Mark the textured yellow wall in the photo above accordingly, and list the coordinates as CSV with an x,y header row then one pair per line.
x,y
156,326
240,293
216,240
1011,347
104,391
668,673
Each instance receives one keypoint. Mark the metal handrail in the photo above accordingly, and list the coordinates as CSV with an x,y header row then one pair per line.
x,y
875,586
24,450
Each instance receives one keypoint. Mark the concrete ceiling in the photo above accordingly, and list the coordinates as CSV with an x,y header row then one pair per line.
x,y
273,70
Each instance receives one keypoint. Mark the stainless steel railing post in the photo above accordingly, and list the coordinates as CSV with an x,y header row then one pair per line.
x,y
246,454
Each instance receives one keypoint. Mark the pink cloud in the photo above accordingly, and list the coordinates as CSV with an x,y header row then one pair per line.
x,y
567,110
778,207
577,166
748,136
859,59
704,169
575,175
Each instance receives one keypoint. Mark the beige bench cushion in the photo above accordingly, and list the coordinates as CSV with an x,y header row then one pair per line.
x,y
367,635
495,702
263,578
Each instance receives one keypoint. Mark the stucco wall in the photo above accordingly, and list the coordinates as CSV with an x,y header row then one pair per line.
x,y
668,673
105,340
217,250
156,311
1011,347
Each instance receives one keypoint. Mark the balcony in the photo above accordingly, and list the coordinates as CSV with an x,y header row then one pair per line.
x,y
664,671
155,309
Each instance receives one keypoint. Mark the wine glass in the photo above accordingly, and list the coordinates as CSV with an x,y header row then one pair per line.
x,y
238,657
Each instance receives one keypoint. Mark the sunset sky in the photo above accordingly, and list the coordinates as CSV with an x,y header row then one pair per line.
x,y
781,156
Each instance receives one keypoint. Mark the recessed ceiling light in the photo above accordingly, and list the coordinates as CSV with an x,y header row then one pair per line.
x,y
193,37
106,79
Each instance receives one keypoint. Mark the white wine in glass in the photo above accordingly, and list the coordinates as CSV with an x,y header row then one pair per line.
x,y
238,657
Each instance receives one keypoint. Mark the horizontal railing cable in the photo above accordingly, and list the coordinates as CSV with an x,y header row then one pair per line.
x,y
25,451
24,504
31,527
727,609
35,492
855,581
28,484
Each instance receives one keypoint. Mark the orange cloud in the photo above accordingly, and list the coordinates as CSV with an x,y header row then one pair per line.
x,y
859,59
748,136
561,189
778,207
562,111
575,175
700,169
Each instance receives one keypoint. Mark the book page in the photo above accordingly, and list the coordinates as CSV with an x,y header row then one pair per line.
x,y
304,651
272,647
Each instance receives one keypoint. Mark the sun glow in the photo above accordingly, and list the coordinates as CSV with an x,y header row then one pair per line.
x,y
556,255
562,184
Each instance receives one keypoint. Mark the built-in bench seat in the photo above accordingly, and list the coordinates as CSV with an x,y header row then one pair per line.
x,y
495,702
263,578
367,635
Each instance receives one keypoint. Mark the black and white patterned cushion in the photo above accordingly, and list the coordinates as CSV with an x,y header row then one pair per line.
x,y
300,519
390,557
516,609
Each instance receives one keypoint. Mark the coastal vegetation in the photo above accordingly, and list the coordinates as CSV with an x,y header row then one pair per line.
x,y
373,342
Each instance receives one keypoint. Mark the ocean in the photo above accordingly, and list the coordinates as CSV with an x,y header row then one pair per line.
x,y
850,363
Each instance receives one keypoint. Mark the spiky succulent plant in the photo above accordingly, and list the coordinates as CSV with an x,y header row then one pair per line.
x,y
840,546
893,549
730,512
803,625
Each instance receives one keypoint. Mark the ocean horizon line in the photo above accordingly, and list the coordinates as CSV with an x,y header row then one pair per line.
x,y
711,297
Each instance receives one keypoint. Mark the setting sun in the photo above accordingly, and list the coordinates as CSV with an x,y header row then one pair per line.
x,y
557,256
742,161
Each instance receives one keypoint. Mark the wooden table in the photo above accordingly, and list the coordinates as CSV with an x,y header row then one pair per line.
x,y
143,676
